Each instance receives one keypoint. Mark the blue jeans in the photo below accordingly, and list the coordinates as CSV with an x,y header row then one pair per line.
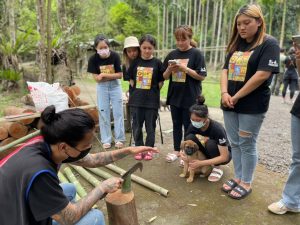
x,y
110,93
93,217
244,152
291,192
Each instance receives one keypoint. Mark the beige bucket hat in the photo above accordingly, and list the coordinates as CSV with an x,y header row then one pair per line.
x,y
131,41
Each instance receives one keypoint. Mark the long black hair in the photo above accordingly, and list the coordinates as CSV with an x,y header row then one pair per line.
x,y
100,37
200,109
69,126
149,38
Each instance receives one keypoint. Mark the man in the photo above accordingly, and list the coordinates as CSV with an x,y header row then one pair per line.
x,y
290,201
278,78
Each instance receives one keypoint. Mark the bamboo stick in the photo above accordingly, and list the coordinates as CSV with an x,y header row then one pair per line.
x,y
86,175
140,180
100,172
36,115
63,179
80,190
20,140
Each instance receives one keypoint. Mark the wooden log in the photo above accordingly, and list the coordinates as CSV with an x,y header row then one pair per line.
x,y
3,133
16,129
70,92
7,151
93,112
17,111
121,208
76,90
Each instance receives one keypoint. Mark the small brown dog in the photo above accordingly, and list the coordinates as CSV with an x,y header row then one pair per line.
x,y
191,150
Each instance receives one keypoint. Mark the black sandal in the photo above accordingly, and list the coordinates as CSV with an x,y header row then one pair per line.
x,y
231,184
241,191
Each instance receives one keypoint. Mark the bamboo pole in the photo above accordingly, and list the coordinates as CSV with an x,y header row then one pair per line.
x,y
86,175
20,140
80,190
63,179
135,178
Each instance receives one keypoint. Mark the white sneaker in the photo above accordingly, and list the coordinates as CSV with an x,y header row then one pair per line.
x,y
279,208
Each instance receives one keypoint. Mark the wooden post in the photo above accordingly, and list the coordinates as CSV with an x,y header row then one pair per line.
x,y
121,208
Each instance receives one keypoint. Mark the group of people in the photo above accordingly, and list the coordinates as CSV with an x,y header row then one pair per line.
x,y
32,187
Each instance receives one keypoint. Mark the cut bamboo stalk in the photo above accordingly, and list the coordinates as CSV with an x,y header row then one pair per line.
x,y
14,111
86,175
80,190
20,140
16,129
63,179
140,180
100,173
3,133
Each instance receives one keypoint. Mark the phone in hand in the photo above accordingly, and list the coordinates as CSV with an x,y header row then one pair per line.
x,y
296,40
173,61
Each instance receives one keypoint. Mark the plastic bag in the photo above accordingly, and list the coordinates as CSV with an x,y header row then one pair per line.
x,y
44,94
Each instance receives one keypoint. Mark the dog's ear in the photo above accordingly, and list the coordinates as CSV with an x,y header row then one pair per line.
x,y
196,146
182,146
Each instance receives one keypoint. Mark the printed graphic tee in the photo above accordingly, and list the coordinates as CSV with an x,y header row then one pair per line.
x,y
146,75
183,89
242,65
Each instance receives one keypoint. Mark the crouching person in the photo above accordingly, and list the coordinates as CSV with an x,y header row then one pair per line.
x,y
28,176
211,140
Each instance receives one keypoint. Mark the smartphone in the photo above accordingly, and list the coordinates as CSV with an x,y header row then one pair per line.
x,y
172,61
296,39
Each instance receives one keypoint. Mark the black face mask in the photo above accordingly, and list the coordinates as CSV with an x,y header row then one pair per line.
x,y
81,155
190,151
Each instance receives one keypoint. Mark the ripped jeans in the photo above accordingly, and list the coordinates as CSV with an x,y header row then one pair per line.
x,y
242,131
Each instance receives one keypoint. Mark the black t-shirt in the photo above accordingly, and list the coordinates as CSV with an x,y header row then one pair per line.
x,y
215,131
146,75
290,65
97,65
242,65
296,107
46,198
126,76
183,89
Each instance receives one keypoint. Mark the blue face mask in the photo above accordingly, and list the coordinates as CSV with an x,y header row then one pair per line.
x,y
198,124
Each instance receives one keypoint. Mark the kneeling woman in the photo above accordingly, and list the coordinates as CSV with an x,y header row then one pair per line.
x,y
213,143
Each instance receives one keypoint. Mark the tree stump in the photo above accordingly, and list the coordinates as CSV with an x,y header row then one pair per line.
x,y
121,208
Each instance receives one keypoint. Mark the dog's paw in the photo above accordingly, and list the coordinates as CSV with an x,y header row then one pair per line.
x,y
190,180
182,175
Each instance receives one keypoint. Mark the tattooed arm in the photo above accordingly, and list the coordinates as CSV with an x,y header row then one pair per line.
x,y
75,211
104,158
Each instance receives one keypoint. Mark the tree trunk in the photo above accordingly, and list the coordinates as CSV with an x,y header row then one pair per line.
x,y
213,35
198,21
158,30
190,12
218,36
206,24
11,20
271,10
186,12
49,44
167,27
164,25
172,24
178,8
283,24
41,27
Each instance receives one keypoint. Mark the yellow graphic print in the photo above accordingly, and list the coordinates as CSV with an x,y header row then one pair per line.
x,y
109,69
238,66
144,77
180,76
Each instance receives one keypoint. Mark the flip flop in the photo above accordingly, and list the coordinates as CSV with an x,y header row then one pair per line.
x,y
106,145
241,191
171,157
148,156
231,183
139,156
215,175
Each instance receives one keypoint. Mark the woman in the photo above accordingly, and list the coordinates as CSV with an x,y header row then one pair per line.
x,y
105,65
130,52
185,68
290,201
31,185
290,77
213,142
252,56
146,80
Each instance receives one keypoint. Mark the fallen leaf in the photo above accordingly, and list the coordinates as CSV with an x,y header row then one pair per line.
x,y
152,219
192,205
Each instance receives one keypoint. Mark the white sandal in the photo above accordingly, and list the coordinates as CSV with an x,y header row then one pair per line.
x,y
215,175
119,144
171,157
106,145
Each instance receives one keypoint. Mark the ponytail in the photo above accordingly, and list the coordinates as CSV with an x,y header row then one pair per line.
x,y
194,44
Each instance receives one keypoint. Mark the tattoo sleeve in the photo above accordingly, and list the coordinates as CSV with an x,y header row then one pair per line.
x,y
75,211
102,158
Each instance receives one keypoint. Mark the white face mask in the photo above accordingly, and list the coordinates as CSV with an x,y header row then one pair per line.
x,y
198,124
103,52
